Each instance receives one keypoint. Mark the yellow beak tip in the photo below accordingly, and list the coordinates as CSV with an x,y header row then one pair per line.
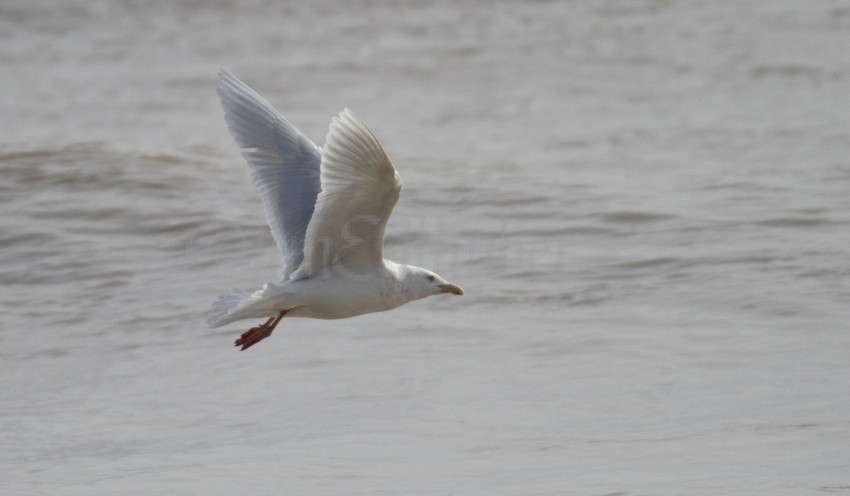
x,y
452,288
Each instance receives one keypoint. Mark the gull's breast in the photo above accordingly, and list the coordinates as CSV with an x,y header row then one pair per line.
x,y
339,297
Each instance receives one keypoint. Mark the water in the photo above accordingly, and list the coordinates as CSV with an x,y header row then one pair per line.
x,y
646,202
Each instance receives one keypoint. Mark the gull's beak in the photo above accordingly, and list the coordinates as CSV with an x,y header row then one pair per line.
x,y
451,288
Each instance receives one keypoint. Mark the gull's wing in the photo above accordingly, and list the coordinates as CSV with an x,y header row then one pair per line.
x,y
284,165
360,187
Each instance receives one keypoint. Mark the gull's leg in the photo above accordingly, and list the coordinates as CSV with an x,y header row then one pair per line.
x,y
256,334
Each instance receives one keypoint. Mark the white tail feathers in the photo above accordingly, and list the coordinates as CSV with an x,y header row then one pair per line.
x,y
241,304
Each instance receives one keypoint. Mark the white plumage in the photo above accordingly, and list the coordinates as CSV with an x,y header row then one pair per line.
x,y
327,209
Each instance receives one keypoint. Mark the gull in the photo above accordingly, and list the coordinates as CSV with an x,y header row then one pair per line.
x,y
327,209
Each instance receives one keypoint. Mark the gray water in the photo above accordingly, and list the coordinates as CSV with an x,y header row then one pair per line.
x,y
646,201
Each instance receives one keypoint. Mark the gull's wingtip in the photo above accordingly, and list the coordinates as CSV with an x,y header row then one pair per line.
x,y
230,87
227,79
345,115
348,115
225,76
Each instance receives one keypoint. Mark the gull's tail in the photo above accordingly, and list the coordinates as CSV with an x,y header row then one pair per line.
x,y
240,304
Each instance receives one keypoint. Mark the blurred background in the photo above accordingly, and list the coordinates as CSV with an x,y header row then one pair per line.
x,y
646,202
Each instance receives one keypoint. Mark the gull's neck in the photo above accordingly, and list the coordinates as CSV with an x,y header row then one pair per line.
x,y
393,286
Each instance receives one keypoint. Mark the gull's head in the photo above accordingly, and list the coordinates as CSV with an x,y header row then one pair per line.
x,y
422,283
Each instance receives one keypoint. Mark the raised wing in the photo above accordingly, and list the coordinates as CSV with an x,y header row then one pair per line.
x,y
360,187
284,164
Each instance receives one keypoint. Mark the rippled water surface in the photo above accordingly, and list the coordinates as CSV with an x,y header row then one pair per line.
x,y
647,202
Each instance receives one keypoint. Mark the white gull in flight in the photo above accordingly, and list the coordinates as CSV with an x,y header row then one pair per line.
x,y
327,209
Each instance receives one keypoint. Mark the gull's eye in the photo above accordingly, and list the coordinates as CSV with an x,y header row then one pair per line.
x,y
430,278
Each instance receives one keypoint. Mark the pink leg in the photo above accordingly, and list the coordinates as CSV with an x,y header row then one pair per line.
x,y
256,334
